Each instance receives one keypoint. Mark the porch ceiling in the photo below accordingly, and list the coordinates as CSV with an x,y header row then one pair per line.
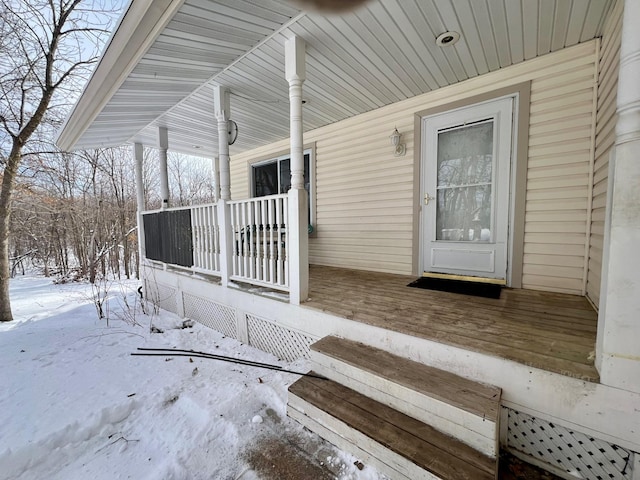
x,y
166,56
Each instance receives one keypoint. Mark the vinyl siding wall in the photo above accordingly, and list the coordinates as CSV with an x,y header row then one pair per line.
x,y
558,177
365,195
605,138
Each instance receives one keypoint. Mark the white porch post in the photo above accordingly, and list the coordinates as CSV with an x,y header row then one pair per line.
x,y
223,108
139,155
215,168
222,112
298,222
618,346
163,146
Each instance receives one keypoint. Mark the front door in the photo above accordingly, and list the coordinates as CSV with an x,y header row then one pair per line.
x,y
465,190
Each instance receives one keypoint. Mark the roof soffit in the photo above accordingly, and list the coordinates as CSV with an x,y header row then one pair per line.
x,y
380,54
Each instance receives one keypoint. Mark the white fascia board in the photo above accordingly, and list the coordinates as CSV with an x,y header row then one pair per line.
x,y
138,28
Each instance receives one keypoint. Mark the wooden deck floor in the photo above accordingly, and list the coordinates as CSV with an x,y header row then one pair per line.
x,y
554,332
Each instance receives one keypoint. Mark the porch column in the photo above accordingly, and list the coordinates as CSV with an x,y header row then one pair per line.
x,y
215,169
298,222
163,146
138,150
618,347
222,113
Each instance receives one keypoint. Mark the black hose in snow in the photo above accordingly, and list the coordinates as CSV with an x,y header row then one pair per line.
x,y
175,352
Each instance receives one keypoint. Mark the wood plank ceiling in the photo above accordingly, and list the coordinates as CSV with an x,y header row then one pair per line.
x,y
382,53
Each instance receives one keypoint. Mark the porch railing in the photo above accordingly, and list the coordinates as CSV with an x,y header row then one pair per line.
x,y
168,237
260,239
205,238
184,236
191,237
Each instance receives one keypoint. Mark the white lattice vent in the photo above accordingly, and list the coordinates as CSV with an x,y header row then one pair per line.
x,y
283,343
163,296
214,315
580,455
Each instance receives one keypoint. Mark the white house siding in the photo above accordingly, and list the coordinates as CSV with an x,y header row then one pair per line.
x,y
605,137
365,195
560,150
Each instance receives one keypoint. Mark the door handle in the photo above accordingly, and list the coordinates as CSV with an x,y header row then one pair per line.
x,y
428,198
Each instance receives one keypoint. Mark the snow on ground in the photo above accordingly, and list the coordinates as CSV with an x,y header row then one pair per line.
x,y
74,404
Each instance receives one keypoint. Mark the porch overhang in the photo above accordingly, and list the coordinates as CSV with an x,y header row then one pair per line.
x,y
165,57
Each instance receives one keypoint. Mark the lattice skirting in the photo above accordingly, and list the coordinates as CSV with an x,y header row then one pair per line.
x,y
580,455
163,296
214,315
288,345
283,343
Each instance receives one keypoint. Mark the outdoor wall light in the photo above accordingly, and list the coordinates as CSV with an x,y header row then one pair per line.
x,y
400,148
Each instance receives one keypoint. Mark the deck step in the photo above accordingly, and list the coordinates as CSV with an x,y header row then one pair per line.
x,y
395,444
461,408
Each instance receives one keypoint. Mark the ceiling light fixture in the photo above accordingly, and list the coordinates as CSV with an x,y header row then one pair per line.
x,y
447,38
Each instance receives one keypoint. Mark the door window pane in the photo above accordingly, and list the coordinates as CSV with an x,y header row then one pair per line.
x,y
465,155
464,214
307,173
275,177
464,190
266,179
285,175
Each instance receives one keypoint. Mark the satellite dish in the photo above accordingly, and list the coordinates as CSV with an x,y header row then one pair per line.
x,y
232,130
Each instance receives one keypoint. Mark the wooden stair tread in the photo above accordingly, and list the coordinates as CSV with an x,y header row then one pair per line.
x,y
476,398
431,450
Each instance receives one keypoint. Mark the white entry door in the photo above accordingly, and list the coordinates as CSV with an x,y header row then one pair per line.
x,y
466,161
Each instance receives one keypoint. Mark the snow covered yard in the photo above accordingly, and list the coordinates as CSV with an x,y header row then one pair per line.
x,y
74,404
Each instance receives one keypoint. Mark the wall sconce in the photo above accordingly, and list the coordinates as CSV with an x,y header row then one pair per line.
x,y
400,148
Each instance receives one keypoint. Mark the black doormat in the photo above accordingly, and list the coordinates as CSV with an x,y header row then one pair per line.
x,y
488,290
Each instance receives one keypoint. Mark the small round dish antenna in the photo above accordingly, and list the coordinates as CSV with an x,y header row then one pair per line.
x,y
232,130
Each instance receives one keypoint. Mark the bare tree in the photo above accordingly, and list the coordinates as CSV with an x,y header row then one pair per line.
x,y
46,48
190,179
74,215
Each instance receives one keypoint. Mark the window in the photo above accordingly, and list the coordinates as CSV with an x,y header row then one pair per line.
x,y
273,176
